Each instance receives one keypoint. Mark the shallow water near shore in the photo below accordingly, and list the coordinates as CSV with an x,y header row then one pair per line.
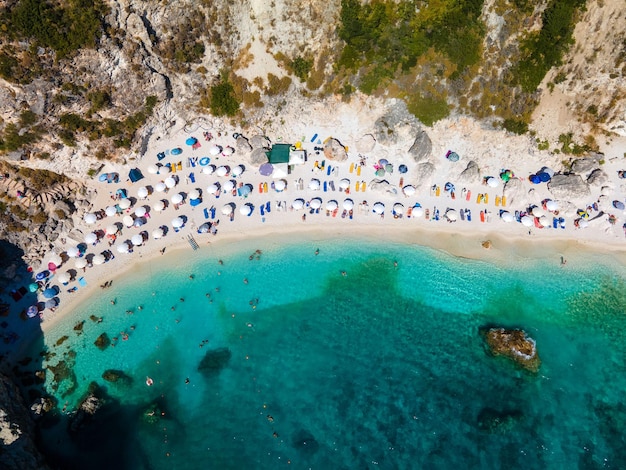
x,y
383,367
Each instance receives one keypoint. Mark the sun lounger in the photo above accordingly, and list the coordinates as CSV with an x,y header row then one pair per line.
x,y
268,207
262,209
212,210
172,167
206,213
462,213
468,214
328,170
555,222
482,216
352,167
335,212
325,186
332,185
192,177
562,222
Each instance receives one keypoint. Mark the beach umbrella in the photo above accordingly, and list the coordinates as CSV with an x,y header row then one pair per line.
x,y
160,187
124,204
157,233
297,204
111,230
344,184
534,179
538,211
221,171
266,169
382,162
158,206
63,278
194,194
55,260
42,275
403,169
331,205
176,198
204,228
176,151
618,205
52,303
389,168
315,203
80,263
314,184
164,169
238,170
73,252
152,169
208,170
245,190
418,211
544,221
527,221
227,209
552,205
191,141
544,177
348,204
128,221
110,211
229,185
170,182
492,182
548,171
52,267
246,209
582,223
90,218
32,311
398,208
139,221
98,259
178,222
507,216
408,190
215,150
140,211
228,151
50,292
122,247
451,215
91,238
142,192
213,189
33,287
280,185
279,173
137,239
378,208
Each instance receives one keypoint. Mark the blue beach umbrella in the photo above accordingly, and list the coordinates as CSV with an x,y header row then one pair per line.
x,y
42,275
534,179
266,169
544,177
50,292
191,141
177,151
32,311
403,169
618,205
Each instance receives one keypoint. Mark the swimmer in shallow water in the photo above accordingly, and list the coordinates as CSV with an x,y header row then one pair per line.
x,y
317,251
344,274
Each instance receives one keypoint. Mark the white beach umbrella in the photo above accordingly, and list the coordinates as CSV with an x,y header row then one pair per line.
x,y
194,194
278,172
344,183
90,218
110,211
544,221
528,221
538,211
142,192
124,204
227,209
331,205
152,169
215,150
582,223
212,189
507,216
160,187
451,215
63,278
164,170
493,182
315,203
314,184
348,204
228,151
378,208
140,211
80,263
157,233
56,260
229,185
158,206
137,239
221,171
238,170
178,222
122,247
91,238
170,182
246,209
97,260
73,251
280,185
552,205
176,198
128,221
111,230
418,211
409,190
208,170
398,208
297,204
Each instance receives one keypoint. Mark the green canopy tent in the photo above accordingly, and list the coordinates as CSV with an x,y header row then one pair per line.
x,y
279,153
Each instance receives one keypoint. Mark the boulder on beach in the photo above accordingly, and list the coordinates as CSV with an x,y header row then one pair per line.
x,y
568,187
471,174
422,147
333,150
597,177
260,141
366,143
423,174
258,156
243,145
515,345
383,187
515,192
587,164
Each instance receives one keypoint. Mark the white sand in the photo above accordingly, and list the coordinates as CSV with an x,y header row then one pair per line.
x,y
491,149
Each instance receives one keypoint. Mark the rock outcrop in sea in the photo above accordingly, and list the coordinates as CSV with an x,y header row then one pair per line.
x,y
515,345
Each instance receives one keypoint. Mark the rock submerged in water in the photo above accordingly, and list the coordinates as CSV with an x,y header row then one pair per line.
x,y
498,422
214,360
515,345
103,341
116,376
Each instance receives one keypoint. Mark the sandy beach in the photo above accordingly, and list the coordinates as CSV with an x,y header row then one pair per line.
x,y
430,216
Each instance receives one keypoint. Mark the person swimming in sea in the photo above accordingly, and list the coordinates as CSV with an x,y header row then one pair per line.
x,y
317,251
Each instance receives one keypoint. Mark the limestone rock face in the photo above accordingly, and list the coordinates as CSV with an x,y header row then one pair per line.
x,y
243,145
86,410
18,451
422,147
471,174
334,150
597,177
585,165
397,124
258,156
260,141
423,174
568,187
514,192
515,345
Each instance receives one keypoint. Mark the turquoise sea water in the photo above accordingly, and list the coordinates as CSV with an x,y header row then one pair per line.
x,y
381,368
